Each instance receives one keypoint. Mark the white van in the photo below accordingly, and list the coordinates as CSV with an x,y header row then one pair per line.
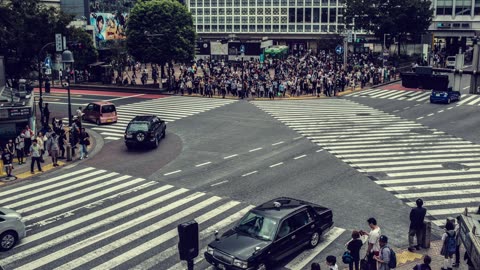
x,y
450,62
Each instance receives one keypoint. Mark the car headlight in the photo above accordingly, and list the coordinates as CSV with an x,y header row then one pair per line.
x,y
210,250
240,263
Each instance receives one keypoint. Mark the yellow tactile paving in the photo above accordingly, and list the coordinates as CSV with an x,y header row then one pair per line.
x,y
407,256
45,168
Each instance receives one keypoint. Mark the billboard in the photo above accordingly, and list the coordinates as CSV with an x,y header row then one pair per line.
x,y
109,19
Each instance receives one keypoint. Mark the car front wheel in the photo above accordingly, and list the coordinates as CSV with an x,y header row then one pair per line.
x,y
314,240
7,240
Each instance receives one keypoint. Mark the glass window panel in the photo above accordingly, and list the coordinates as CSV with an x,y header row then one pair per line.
x,y
268,11
236,28
244,19
229,28
291,15
268,19
268,2
251,19
276,2
276,28
200,4
200,11
244,3
292,3
268,28
308,3
229,11
259,11
259,28
323,28
316,2
251,11
333,15
316,28
252,3
221,11
276,11
207,11
324,2
237,11
229,20
283,19
214,28
340,27
221,3
333,28
259,19
308,28
236,19
244,28
251,28
214,19
200,20
291,28
206,3
283,28
207,28
193,3
299,15
276,19
284,11
229,3
194,20
200,28
214,11
284,2
237,3
193,11
316,15
299,28
308,15
213,3
207,19
244,11
221,28
324,15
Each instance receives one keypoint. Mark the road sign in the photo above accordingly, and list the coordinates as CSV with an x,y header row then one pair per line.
x,y
350,36
48,62
242,48
339,49
58,42
48,71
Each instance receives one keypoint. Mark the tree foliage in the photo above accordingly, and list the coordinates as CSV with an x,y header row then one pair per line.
x,y
85,55
159,31
25,27
398,18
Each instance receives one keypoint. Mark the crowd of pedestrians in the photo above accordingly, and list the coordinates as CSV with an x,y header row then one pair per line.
x,y
380,256
51,140
309,74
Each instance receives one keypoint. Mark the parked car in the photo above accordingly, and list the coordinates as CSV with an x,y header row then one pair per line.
x,y
145,130
268,233
12,228
450,62
445,96
100,112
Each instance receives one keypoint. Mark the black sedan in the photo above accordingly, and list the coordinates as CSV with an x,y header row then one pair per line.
x,y
269,233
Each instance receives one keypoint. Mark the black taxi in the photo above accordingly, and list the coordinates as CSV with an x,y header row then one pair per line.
x,y
269,233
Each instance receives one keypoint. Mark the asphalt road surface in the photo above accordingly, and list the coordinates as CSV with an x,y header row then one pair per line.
x,y
361,155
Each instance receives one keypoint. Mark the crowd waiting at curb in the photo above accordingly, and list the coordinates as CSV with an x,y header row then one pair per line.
x,y
54,140
315,75
380,256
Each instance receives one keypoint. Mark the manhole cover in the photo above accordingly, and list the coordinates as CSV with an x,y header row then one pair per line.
x,y
363,114
455,166
8,178
421,131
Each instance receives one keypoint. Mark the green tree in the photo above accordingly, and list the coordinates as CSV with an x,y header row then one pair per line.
x,y
25,27
160,31
85,54
397,18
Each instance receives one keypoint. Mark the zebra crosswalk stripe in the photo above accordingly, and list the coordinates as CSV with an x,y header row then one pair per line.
x,y
399,154
105,220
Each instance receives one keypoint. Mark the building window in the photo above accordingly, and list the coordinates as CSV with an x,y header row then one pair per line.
x,y
229,28
221,28
333,15
193,11
324,2
284,2
237,11
207,20
299,28
332,29
340,27
292,3
316,28
283,28
200,11
276,11
308,28
229,20
268,11
221,11
193,3
214,28
316,15
260,19
251,11
214,3
276,3
284,11
463,7
268,28
236,28
316,3
244,28
200,28
276,28
308,15
244,19
207,28
268,19
214,11
252,3
324,15
252,20
244,11
299,15
237,3
291,28
308,3
268,2
291,15
259,11
207,12
275,19
259,28
207,3
324,28
200,4
244,3
229,11
444,7
251,28
236,19
283,19
200,20
214,19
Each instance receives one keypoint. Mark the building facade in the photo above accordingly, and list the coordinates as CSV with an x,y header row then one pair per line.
x,y
454,23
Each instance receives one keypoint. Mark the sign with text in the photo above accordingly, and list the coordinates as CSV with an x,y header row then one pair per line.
x,y
19,113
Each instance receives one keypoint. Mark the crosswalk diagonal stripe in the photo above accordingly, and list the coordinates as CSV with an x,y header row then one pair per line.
x,y
467,99
104,235
433,186
46,244
136,235
152,243
40,183
64,185
203,235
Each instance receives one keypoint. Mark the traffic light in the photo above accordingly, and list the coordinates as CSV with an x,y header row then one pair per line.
x,y
75,45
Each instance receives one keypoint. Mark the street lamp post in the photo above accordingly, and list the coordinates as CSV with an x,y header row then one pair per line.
x,y
384,47
40,101
67,57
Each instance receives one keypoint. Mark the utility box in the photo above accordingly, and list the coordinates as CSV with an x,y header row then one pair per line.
x,y
470,237
427,234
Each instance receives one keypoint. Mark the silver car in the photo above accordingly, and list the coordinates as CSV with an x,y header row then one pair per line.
x,y
12,228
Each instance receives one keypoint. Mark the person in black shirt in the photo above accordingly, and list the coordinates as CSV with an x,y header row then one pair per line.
x,y
7,159
354,247
417,215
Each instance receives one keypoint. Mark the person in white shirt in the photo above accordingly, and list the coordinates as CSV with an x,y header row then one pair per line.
x,y
332,262
373,243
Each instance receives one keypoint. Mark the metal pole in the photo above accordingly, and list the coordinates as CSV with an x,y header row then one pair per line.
x,y
40,101
345,53
69,102
474,78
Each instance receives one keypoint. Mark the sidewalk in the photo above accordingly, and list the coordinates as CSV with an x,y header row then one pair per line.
x,y
21,172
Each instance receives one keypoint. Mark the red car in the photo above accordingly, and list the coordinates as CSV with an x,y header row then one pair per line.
x,y
100,112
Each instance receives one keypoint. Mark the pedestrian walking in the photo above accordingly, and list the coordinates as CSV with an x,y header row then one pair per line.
x,y
354,246
79,114
332,262
449,245
417,215
457,237
425,265
383,258
46,114
10,146
35,153
7,159
373,248
28,135
315,266
53,148
20,146
84,143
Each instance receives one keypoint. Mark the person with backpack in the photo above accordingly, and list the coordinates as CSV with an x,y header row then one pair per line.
x,y
387,258
449,245
425,265
353,247
457,236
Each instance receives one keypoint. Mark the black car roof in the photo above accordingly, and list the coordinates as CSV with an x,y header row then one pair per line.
x,y
143,118
280,207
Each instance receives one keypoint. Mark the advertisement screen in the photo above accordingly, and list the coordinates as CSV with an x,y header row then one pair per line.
x,y
109,19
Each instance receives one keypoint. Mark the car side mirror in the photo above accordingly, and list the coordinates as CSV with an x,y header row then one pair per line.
x,y
216,235
257,249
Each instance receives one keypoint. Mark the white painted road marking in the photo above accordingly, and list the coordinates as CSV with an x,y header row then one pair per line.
x,y
231,156
275,165
219,183
132,96
299,137
203,164
299,157
247,174
277,143
177,171
256,149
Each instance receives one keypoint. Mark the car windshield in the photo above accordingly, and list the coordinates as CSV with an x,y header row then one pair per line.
x,y
142,126
258,226
108,108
